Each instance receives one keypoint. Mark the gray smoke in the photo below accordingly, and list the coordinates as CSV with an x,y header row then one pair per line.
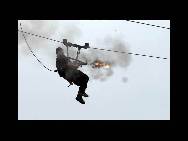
x,y
45,27
71,32
125,79
114,59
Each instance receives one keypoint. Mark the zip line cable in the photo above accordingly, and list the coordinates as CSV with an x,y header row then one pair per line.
x,y
148,24
128,53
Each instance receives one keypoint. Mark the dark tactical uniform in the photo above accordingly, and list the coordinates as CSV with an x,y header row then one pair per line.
x,y
68,71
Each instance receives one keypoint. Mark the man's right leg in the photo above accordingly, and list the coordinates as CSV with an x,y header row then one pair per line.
x,y
82,89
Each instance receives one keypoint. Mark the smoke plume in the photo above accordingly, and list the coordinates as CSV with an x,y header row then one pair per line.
x,y
110,58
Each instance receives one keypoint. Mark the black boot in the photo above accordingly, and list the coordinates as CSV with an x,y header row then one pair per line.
x,y
85,95
79,98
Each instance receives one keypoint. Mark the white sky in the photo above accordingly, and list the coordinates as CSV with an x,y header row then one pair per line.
x,y
43,95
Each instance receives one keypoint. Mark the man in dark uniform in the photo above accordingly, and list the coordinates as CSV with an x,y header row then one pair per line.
x,y
68,71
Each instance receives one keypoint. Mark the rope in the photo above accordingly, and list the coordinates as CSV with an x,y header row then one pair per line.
x,y
128,53
31,49
148,24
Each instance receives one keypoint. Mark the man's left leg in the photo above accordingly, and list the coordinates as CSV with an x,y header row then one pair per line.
x,y
82,89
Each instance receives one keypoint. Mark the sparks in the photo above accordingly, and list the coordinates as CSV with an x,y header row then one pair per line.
x,y
100,64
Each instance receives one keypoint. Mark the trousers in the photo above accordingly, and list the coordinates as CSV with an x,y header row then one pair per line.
x,y
76,76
